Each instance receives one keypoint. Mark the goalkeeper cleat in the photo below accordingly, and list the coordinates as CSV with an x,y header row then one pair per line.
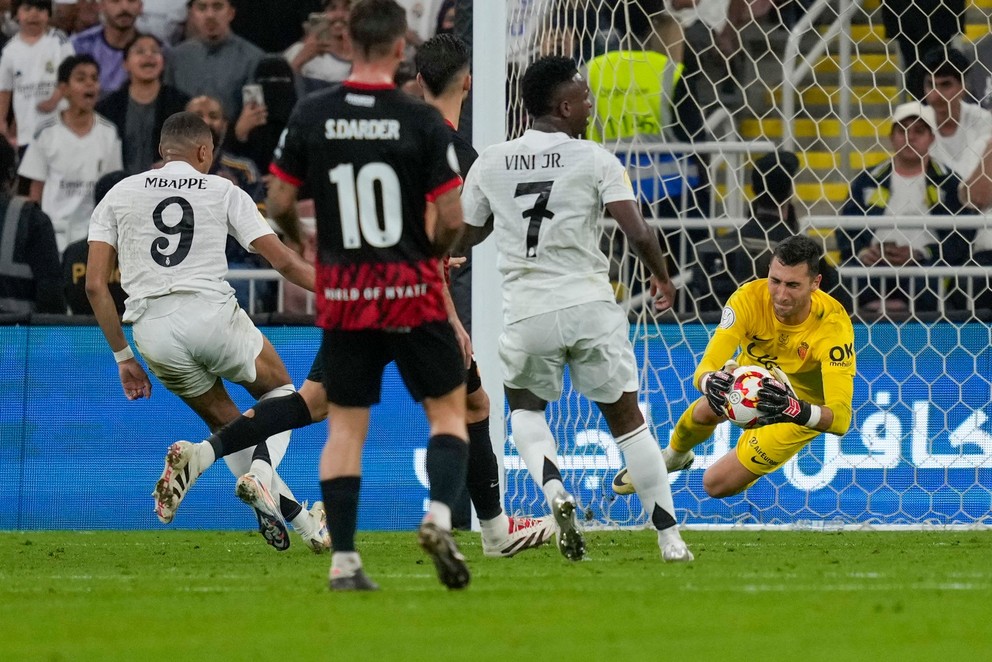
x,y
318,540
180,472
571,544
674,461
676,552
524,533
270,522
355,581
440,546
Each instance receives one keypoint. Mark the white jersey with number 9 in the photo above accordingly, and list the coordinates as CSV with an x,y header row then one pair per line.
x,y
169,227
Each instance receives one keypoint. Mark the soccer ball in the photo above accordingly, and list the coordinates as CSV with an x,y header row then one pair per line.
x,y
742,398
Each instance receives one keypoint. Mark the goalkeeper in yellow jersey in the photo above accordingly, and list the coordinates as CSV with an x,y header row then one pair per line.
x,y
799,333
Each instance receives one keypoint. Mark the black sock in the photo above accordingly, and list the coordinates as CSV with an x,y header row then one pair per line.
x,y
272,416
483,471
289,508
261,452
447,465
341,502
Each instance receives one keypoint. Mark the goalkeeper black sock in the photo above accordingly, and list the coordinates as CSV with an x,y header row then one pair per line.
x,y
341,502
483,472
270,417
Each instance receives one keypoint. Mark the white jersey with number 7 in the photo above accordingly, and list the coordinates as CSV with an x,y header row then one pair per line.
x,y
546,192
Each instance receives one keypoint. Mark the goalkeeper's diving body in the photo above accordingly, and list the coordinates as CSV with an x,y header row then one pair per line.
x,y
786,324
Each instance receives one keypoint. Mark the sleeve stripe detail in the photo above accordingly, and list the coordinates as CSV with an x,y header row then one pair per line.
x,y
444,188
285,176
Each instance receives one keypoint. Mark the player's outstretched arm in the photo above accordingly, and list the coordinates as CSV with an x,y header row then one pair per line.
x,y
644,242
450,222
280,205
99,266
286,261
473,235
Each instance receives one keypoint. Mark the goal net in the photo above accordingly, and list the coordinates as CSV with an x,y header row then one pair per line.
x,y
737,115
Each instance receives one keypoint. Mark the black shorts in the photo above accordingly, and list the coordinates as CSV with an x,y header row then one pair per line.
x,y
427,357
317,369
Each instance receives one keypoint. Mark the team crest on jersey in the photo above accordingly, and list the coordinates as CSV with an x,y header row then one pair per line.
x,y
728,318
803,351
49,67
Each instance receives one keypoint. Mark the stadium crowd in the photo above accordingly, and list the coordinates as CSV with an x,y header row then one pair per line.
x,y
85,86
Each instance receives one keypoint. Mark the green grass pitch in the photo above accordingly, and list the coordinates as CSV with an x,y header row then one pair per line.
x,y
750,595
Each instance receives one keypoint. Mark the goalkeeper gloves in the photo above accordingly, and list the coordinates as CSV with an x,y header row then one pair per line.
x,y
715,386
779,404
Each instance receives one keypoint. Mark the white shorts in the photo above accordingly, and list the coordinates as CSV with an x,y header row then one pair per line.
x,y
189,341
591,338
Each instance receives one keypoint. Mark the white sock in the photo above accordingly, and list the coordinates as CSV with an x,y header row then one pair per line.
x,y
673,457
263,472
302,523
536,445
440,514
497,527
204,454
345,564
649,475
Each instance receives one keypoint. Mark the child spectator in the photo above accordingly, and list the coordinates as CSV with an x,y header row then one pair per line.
x,y
71,151
76,255
27,70
139,108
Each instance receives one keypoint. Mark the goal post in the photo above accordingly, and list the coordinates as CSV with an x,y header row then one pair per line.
x,y
919,451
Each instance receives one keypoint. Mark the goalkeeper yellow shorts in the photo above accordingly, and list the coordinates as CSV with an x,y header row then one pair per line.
x,y
763,450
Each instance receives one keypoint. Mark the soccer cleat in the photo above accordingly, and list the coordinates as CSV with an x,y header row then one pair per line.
x,y
622,484
673,462
676,552
440,546
356,581
180,472
270,522
524,533
571,544
320,540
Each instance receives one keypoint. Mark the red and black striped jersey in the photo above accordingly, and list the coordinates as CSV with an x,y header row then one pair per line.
x,y
372,157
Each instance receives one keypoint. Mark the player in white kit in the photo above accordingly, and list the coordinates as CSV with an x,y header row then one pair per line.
x,y
168,228
542,196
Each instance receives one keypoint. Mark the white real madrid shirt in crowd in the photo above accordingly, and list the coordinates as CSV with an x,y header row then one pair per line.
x,y
421,16
963,151
166,19
908,197
547,192
29,72
169,227
69,165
